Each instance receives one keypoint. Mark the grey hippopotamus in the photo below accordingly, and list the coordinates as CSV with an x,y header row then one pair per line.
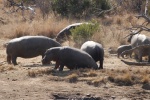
x,y
95,50
66,32
28,47
137,40
122,48
72,58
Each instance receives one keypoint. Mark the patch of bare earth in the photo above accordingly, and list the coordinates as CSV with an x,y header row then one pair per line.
x,y
30,80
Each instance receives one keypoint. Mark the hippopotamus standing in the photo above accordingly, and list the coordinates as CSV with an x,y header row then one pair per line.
x,y
28,47
95,50
122,48
72,58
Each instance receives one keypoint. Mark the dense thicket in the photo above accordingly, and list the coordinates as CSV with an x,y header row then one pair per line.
x,y
83,8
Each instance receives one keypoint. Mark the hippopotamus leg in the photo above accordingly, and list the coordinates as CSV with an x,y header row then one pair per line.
x,y
61,67
57,65
14,58
148,58
100,64
9,59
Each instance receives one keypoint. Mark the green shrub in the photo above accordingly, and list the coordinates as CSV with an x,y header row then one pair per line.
x,y
78,8
84,32
101,4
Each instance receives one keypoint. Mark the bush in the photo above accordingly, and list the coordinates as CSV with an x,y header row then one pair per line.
x,y
101,4
84,32
78,8
70,7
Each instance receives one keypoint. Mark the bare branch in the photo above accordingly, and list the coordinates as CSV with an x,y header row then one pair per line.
x,y
145,17
101,11
20,6
136,63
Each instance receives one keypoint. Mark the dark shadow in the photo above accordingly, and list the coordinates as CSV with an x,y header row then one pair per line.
x,y
61,73
146,86
38,65
77,96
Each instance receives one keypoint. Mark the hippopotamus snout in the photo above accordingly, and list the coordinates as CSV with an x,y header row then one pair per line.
x,y
45,61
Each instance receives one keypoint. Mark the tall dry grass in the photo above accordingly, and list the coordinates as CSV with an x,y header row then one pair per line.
x,y
49,27
111,34
128,76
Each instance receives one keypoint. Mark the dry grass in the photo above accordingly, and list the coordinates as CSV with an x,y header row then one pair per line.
x,y
97,82
39,72
121,77
91,73
129,76
145,79
55,78
49,27
7,68
73,78
2,68
124,79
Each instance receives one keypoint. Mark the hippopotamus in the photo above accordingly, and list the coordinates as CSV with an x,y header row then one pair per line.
x,y
72,58
95,50
122,48
65,33
28,47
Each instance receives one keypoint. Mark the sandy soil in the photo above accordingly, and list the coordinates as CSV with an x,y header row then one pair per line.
x,y
16,84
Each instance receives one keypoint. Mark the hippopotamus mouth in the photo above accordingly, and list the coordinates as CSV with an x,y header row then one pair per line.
x,y
44,61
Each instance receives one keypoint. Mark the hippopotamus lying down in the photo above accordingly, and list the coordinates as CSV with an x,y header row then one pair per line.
x,y
28,47
95,50
72,58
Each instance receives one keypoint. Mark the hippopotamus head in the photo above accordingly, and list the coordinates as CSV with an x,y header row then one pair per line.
x,y
129,39
50,55
63,35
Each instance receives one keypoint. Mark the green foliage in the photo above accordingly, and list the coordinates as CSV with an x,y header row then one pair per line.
x,y
69,8
78,8
84,32
101,4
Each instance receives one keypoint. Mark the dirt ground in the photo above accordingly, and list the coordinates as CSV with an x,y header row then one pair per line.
x,y
16,84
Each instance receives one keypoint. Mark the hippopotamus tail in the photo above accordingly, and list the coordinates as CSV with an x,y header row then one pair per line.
x,y
5,45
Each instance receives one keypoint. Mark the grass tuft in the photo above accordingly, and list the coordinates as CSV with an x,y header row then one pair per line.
x,y
34,73
91,73
73,78
125,79
145,79
97,82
